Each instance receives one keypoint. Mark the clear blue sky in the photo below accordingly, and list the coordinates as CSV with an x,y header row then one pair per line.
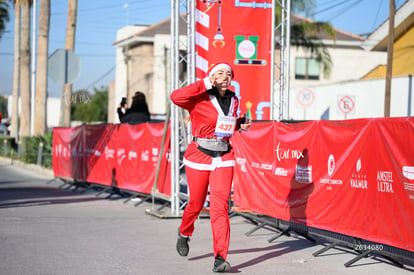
x,y
98,21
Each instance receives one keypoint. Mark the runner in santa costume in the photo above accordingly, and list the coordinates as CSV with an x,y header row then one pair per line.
x,y
209,159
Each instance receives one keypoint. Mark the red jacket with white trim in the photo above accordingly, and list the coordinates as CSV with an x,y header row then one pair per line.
x,y
204,110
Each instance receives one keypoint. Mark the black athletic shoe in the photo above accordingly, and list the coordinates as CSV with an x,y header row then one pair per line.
x,y
221,265
182,244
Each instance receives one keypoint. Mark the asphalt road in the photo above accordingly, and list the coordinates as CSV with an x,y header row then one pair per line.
x,y
46,229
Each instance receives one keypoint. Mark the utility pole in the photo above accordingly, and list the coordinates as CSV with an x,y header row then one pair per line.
x,y
33,84
390,52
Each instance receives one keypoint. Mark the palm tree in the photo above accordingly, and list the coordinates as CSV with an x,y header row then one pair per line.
x,y
70,45
4,16
25,69
16,72
40,124
304,34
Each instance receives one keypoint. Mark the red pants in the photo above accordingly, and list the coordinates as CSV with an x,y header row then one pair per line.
x,y
220,187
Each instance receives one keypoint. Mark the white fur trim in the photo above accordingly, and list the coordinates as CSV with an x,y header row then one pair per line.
x,y
216,163
207,83
218,67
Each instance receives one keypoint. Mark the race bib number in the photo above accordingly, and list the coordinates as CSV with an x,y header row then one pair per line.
x,y
225,126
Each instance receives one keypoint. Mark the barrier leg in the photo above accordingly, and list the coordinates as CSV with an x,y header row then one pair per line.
x,y
136,196
115,191
284,232
81,184
65,182
88,187
163,206
52,180
103,190
143,200
326,248
260,225
365,253
357,258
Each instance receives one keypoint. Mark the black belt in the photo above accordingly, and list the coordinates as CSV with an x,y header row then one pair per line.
x,y
210,139
213,153
207,139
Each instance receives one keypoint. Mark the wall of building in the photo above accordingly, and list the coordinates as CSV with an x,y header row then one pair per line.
x,y
120,68
112,104
351,100
141,72
162,70
348,64
403,58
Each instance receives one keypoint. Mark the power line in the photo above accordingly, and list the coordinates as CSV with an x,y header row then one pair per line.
x,y
374,24
334,5
99,8
101,77
351,5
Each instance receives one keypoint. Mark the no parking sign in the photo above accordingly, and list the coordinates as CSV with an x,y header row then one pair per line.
x,y
346,104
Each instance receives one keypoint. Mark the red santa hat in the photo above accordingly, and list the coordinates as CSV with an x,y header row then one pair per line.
x,y
219,66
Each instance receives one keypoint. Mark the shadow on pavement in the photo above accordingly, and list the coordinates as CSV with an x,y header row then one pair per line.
x,y
275,251
26,196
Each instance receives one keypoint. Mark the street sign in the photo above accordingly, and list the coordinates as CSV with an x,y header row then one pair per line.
x,y
63,66
305,97
346,104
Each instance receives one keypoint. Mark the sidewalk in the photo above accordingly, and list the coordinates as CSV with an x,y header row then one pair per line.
x,y
48,230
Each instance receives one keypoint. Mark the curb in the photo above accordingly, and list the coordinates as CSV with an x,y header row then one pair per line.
x,y
28,166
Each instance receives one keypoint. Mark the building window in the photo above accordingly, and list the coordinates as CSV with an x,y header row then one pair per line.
x,y
306,68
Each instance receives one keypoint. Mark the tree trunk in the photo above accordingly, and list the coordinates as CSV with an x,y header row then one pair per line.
x,y
25,71
14,132
40,123
70,45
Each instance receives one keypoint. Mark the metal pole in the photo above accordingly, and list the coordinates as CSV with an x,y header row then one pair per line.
x,y
40,154
410,91
272,67
173,109
33,86
287,73
282,63
191,41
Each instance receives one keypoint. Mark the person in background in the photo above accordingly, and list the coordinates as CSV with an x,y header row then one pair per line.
x,y
209,159
137,113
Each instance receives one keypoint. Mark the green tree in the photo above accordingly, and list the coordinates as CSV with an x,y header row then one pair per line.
x,y
4,16
305,33
3,106
90,108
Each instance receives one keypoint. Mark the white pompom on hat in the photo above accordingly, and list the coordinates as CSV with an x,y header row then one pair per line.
x,y
219,66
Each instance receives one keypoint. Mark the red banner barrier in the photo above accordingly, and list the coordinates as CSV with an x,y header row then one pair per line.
x,y
354,177
119,155
68,157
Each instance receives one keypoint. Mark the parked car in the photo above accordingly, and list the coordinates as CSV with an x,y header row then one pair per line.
x,y
4,129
